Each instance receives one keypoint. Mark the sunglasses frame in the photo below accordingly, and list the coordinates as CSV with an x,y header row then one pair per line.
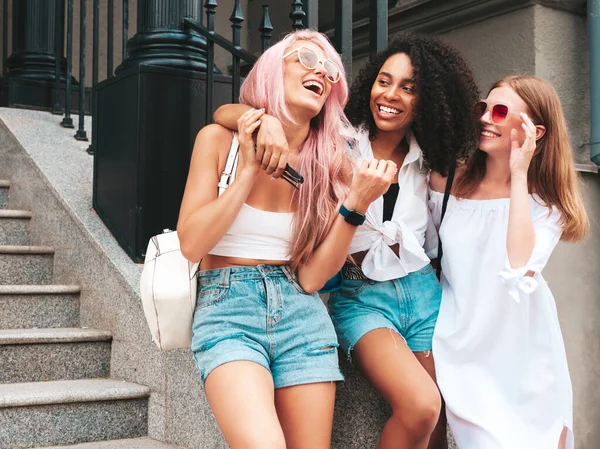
x,y
321,61
490,107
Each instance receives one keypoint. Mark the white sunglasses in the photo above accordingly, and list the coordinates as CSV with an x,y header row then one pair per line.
x,y
309,59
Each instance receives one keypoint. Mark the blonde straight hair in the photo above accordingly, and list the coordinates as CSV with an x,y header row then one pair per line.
x,y
551,173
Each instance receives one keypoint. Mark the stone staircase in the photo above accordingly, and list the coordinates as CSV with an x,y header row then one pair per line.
x,y
55,388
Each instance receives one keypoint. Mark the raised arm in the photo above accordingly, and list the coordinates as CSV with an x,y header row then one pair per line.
x,y
370,181
204,217
271,143
520,237
228,115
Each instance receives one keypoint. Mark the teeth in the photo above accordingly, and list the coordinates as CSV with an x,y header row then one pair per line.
x,y
319,86
389,110
488,134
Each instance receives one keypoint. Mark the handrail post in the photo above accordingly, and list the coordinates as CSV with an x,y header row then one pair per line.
x,y
81,134
343,33
211,6
378,25
67,121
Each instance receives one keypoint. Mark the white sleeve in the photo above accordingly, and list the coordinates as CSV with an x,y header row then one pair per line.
x,y
548,230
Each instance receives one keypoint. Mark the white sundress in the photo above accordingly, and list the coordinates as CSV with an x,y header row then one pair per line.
x,y
499,353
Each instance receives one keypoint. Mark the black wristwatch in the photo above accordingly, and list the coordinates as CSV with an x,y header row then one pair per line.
x,y
351,216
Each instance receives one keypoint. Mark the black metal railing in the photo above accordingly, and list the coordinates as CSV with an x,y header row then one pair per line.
x,y
147,110
302,14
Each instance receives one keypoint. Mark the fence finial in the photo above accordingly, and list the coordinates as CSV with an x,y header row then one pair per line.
x,y
297,15
211,6
266,27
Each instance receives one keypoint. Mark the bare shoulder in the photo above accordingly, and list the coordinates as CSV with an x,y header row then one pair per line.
x,y
212,136
212,142
437,182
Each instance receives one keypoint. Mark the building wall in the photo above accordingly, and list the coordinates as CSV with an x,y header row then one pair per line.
x,y
538,41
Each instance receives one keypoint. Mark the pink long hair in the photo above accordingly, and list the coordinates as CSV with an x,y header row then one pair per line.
x,y
323,161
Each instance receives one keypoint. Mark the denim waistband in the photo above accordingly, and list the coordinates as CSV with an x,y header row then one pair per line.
x,y
223,276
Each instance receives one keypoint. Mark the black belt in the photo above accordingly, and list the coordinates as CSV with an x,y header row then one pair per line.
x,y
353,272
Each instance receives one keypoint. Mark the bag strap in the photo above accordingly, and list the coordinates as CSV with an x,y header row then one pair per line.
x,y
228,174
449,182
225,181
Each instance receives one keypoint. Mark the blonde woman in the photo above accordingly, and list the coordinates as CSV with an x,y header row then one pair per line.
x,y
499,353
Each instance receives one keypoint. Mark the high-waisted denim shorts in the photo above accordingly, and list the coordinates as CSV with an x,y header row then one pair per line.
x,y
408,305
261,314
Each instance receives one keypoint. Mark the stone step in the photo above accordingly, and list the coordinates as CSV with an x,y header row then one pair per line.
x,y
34,355
39,306
133,443
71,412
14,227
4,186
26,264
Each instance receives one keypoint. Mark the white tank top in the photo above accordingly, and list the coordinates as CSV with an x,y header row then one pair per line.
x,y
255,233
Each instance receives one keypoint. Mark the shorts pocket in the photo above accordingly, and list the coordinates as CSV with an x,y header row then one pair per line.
x,y
209,294
352,288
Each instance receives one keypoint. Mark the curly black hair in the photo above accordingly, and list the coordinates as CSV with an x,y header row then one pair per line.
x,y
445,124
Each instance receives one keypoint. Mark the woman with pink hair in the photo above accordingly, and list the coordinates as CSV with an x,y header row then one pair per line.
x,y
262,338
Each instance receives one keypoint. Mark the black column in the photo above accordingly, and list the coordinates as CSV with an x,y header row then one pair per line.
x,y
34,40
160,40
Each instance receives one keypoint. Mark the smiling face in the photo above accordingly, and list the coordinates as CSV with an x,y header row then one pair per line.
x,y
306,91
495,137
394,95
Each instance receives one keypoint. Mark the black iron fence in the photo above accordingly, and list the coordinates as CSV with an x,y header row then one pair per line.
x,y
165,87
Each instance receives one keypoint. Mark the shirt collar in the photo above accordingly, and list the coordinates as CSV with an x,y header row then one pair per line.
x,y
414,150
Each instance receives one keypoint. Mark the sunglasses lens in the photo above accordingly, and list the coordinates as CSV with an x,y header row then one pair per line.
x,y
480,108
499,113
308,58
333,71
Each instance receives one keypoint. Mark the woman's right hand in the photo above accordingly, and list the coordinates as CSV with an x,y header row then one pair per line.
x,y
248,123
371,180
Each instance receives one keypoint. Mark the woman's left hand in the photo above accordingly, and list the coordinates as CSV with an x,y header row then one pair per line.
x,y
521,155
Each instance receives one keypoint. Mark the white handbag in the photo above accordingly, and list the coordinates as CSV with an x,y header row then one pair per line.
x,y
169,281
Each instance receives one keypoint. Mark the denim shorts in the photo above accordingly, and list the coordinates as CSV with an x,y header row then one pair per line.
x,y
261,314
408,305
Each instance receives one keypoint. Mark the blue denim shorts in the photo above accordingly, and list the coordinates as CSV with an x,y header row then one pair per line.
x,y
408,305
261,314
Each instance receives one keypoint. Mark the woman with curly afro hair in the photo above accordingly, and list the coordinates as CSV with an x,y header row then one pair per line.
x,y
412,104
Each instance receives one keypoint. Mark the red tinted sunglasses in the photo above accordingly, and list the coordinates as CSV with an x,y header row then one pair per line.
x,y
499,112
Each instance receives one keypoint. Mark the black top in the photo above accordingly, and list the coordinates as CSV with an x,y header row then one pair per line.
x,y
389,201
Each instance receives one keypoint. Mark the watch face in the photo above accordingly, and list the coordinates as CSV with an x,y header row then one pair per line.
x,y
351,216
354,218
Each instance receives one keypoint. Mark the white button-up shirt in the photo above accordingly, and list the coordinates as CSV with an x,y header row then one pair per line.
x,y
408,224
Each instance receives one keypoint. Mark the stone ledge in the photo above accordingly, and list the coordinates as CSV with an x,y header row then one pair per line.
x,y
39,289
8,213
69,391
13,249
133,443
53,335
